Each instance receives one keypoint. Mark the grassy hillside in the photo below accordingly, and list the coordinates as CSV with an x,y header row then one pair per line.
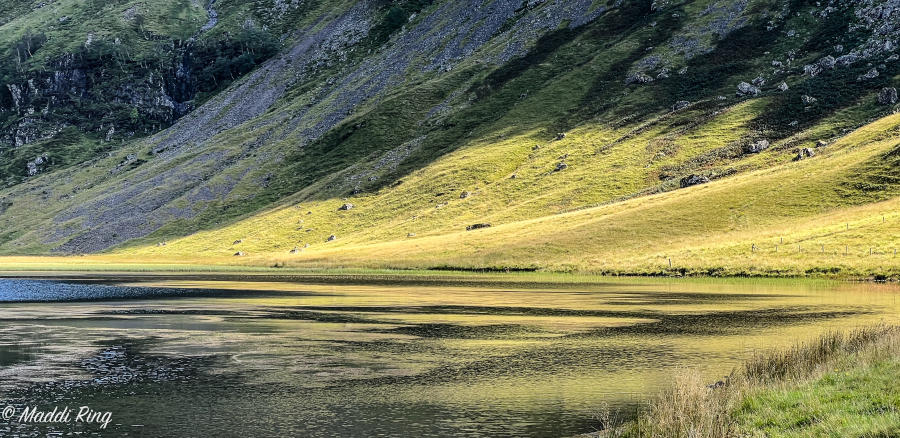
x,y
843,200
569,127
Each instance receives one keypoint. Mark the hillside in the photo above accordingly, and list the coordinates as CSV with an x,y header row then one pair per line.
x,y
594,136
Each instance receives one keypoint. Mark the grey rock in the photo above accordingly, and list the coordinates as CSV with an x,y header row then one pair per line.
x,y
346,207
638,78
757,146
804,153
821,143
759,81
783,86
464,195
239,254
693,180
681,104
410,234
238,242
37,165
295,250
331,238
560,136
846,60
827,63
745,89
560,167
477,226
808,100
812,69
887,96
871,74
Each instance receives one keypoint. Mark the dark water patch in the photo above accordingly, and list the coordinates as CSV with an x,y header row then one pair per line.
x,y
306,315
204,312
454,331
14,354
32,291
723,323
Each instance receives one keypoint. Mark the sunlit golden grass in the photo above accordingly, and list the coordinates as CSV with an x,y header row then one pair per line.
x,y
815,217
861,360
833,215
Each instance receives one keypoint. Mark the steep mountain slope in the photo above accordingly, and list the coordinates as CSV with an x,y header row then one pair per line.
x,y
836,214
431,117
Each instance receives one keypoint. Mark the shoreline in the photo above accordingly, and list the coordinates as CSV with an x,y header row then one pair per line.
x,y
69,266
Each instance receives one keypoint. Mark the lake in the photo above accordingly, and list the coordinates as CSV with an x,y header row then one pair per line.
x,y
471,356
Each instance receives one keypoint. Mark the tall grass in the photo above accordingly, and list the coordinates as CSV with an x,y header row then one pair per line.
x,y
693,409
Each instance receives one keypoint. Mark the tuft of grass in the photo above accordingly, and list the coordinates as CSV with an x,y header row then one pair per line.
x,y
813,389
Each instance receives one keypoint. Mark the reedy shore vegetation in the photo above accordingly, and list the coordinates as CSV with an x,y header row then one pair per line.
x,y
840,385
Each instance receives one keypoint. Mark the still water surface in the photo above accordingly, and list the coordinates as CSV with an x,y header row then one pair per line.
x,y
262,356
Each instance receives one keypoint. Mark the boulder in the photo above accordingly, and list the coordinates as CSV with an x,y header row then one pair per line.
x,y
331,238
745,89
464,195
804,153
887,96
871,74
757,146
560,167
560,136
239,241
759,81
37,165
812,69
783,86
477,226
410,234
808,100
239,254
346,207
827,63
638,78
681,104
693,180
295,250
821,144
846,60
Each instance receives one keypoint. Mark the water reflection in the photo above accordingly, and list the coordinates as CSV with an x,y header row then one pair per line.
x,y
250,356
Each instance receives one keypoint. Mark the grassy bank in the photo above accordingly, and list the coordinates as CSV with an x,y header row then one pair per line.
x,y
841,385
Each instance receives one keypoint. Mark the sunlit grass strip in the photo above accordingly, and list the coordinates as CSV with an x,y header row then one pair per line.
x,y
731,408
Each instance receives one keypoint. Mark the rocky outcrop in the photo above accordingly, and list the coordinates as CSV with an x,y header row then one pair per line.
x,y
693,180
804,153
887,96
757,146
746,90
37,165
